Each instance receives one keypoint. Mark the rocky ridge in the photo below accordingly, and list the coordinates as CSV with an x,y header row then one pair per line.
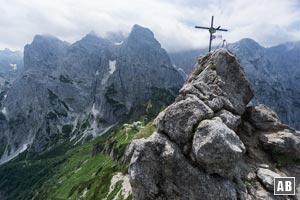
x,y
210,145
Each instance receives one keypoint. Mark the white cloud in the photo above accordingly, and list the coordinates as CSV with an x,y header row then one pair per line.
x,y
172,21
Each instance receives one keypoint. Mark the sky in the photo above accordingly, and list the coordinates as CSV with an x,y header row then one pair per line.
x,y
269,22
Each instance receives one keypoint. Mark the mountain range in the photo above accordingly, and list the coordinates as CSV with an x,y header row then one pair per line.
x,y
77,91
69,114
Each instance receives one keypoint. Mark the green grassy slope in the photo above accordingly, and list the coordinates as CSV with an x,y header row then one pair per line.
x,y
72,172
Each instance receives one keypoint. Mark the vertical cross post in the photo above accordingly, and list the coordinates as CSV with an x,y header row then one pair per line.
x,y
211,30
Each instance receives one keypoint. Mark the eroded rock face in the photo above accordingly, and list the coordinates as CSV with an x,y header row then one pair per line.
x,y
206,145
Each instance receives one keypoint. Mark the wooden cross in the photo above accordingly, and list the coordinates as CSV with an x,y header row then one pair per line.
x,y
211,30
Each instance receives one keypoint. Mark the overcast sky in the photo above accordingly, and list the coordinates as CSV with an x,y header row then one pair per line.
x,y
269,22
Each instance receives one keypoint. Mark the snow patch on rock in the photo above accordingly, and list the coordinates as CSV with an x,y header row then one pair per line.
x,y
94,111
13,66
118,43
112,66
4,111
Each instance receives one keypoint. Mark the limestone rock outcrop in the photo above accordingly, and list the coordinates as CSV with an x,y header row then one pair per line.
x,y
210,145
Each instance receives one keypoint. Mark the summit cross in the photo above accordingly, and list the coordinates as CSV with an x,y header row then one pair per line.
x,y
211,30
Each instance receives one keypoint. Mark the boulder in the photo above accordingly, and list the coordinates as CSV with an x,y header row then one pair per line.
x,y
231,120
217,148
266,176
282,142
263,118
180,119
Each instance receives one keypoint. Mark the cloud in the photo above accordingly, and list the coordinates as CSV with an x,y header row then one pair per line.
x,y
172,21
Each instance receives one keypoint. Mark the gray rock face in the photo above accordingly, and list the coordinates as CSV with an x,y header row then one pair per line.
x,y
275,136
209,145
217,148
282,142
178,121
262,117
220,75
72,91
267,177
44,53
231,120
158,170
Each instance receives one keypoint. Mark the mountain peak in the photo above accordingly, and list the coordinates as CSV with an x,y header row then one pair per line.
x,y
248,42
91,36
46,39
91,42
141,32
44,51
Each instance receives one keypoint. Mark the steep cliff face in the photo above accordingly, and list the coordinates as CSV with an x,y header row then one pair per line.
x,y
73,91
210,145
272,79
285,62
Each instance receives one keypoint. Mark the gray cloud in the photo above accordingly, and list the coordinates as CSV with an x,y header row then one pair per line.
x,y
172,21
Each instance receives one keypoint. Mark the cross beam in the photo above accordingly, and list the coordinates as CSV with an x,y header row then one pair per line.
x,y
211,30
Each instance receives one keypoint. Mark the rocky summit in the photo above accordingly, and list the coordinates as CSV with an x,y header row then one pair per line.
x,y
273,73
210,145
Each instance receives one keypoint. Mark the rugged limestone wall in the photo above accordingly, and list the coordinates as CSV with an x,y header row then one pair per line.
x,y
210,145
